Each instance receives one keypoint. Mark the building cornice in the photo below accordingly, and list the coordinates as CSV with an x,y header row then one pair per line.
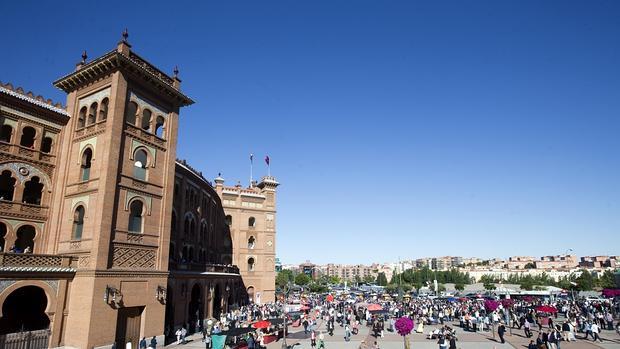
x,y
115,60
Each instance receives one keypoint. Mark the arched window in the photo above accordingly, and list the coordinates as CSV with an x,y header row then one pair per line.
x,y
3,231
92,114
136,209
251,242
140,163
5,133
87,157
46,145
159,126
229,220
7,186
251,263
78,223
186,226
192,229
25,239
251,222
190,258
184,255
32,191
173,224
82,118
131,112
172,252
203,232
146,120
103,109
28,135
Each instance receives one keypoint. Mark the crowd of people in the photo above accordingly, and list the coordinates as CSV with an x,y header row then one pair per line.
x,y
555,321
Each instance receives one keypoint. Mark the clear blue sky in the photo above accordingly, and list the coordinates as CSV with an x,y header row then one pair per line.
x,y
397,128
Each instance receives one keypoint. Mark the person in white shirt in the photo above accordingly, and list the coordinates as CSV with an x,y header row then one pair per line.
x,y
595,330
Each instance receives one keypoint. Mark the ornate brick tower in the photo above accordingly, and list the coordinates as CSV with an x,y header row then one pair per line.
x,y
115,183
251,215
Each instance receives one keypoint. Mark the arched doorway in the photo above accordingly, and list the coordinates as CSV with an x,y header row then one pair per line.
x,y
169,318
24,310
3,236
25,239
217,301
251,294
195,309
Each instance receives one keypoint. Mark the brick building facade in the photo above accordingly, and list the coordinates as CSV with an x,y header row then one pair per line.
x,y
104,236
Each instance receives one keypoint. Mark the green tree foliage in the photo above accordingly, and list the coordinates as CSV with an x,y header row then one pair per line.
x,y
368,279
334,280
302,279
489,286
283,278
607,280
459,287
318,287
381,279
585,281
423,275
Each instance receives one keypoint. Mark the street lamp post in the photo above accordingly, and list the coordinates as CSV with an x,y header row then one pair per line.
x,y
286,292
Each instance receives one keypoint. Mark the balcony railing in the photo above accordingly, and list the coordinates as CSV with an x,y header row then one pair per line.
x,y
204,267
25,152
22,208
35,260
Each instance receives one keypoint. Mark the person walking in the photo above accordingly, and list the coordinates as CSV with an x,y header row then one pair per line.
x,y
312,339
178,334
595,330
526,327
501,330
452,342
208,342
142,343
154,342
251,342
322,340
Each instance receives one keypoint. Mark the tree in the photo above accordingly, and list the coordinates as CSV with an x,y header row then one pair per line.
x,y
381,279
607,280
368,279
334,280
317,288
441,288
489,286
585,281
284,277
527,283
302,279
459,287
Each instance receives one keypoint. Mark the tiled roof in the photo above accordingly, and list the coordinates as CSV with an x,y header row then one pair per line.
x,y
30,98
37,269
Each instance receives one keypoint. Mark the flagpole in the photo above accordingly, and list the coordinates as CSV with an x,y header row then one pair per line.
x,y
251,168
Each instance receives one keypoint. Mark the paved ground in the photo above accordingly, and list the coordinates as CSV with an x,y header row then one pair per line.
x,y
467,340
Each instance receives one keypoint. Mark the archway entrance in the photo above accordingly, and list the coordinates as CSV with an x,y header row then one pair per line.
x,y
169,319
195,309
251,294
217,301
24,310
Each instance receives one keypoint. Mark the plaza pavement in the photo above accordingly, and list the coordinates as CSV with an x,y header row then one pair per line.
x,y
467,340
